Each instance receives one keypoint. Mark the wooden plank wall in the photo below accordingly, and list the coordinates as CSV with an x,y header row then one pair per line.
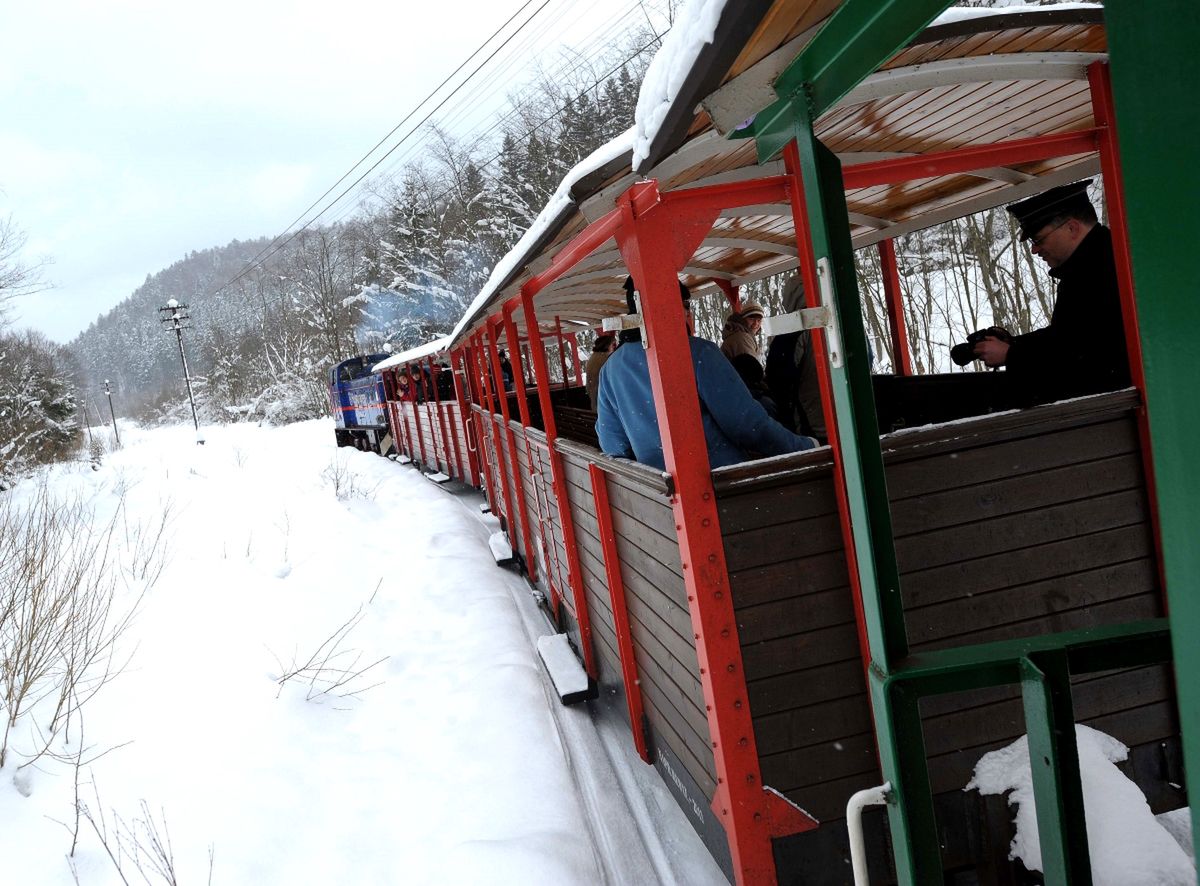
x,y
1006,526
657,601
577,424
454,417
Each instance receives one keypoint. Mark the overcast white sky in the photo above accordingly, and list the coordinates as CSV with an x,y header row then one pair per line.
x,y
133,132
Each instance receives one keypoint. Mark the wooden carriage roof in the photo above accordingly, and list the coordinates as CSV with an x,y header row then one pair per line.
x,y
975,77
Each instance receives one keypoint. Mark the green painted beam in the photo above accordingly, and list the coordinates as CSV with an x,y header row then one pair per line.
x,y
1054,769
856,40
1152,47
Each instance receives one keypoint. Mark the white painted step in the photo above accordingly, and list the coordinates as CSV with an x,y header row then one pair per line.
x,y
569,678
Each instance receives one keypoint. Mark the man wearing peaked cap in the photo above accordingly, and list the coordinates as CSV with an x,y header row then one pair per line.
x,y
1083,349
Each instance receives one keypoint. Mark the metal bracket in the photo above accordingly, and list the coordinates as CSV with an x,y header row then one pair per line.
x,y
621,322
823,317
805,318
628,321
833,334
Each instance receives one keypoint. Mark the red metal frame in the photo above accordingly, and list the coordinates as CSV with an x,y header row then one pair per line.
x,y
434,369
901,361
419,393
1105,116
656,243
485,479
969,159
449,432
620,611
562,350
513,344
559,477
521,513
574,337
456,367
733,294
496,476
812,295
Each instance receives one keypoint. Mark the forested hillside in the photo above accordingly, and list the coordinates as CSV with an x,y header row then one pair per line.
x,y
269,318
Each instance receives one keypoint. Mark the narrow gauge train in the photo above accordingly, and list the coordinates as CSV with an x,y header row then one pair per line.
x,y
791,638
357,401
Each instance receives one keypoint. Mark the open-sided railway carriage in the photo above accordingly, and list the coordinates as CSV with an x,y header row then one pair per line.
x,y
784,633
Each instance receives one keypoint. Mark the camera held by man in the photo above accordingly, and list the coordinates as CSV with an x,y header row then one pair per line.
x,y
964,353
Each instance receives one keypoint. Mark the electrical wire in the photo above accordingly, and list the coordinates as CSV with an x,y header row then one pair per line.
x,y
267,252
274,247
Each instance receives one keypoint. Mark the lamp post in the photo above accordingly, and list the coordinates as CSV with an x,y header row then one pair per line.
x,y
108,393
175,316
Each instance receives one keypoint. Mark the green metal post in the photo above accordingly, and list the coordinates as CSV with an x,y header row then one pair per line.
x,y
897,715
1152,48
1054,766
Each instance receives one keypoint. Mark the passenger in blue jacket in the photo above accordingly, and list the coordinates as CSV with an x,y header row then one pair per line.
x,y
735,425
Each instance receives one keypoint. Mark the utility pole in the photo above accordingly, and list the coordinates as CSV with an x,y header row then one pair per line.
x,y
175,316
108,392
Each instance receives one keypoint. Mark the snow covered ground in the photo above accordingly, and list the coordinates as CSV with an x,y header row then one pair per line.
x,y
449,761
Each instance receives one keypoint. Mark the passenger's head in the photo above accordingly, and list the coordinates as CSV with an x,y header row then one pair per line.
x,y
752,313
603,344
1056,221
630,291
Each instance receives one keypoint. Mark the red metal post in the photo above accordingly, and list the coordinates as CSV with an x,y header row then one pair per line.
x,y
562,349
621,623
483,398
1114,194
535,474
901,361
510,334
464,413
574,336
559,477
452,429
510,495
441,415
733,294
656,243
418,394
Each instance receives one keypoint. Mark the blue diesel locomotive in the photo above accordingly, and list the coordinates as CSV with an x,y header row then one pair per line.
x,y
356,397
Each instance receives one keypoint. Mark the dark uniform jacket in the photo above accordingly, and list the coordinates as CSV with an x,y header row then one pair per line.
x,y
1082,351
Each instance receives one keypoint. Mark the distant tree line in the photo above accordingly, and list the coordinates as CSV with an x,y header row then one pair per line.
x,y
37,377
398,272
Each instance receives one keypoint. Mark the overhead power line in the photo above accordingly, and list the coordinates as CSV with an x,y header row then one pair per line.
x,y
271,249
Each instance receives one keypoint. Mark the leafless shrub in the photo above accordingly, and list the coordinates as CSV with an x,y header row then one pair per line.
x,y
142,848
331,670
345,485
68,593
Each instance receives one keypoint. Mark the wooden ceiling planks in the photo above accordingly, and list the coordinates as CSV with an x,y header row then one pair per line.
x,y
759,240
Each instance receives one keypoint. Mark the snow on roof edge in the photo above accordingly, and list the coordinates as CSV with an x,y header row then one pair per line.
x,y
553,215
426,350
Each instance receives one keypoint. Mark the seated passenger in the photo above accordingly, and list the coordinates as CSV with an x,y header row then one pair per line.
x,y
506,370
1083,349
740,333
734,423
750,371
792,373
601,348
